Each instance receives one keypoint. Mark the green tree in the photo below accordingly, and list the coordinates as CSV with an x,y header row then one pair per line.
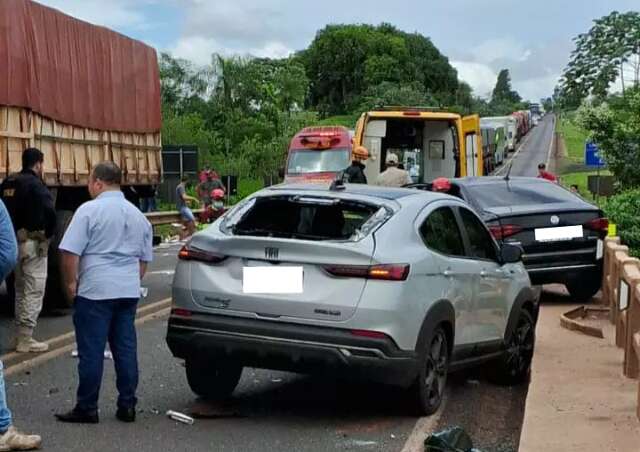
x,y
609,51
345,64
388,93
503,93
615,126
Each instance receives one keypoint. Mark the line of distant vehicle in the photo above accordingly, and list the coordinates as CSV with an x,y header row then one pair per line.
x,y
429,143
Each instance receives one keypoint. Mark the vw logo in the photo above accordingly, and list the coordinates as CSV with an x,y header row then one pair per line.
x,y
555,219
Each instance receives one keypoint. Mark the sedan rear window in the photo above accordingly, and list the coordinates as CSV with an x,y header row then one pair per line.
x,y
308,218
509,194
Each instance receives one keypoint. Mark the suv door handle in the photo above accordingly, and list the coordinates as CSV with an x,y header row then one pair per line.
x,y
447,273
484,274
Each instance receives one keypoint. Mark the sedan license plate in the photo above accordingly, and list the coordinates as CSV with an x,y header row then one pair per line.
x,y
558,234
272,280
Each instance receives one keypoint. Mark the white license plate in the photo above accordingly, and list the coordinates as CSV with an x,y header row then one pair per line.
x,y
272,280
557,234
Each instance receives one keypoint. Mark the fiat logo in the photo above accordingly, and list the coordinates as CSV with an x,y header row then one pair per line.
x,y
555,219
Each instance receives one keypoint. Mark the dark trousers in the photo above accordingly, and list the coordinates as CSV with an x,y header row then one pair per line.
x,y
97,322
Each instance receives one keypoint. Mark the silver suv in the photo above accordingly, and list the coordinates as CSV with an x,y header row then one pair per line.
x,y
393,285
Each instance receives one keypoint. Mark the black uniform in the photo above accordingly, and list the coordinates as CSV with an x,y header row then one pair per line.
x,y
29,203
355,173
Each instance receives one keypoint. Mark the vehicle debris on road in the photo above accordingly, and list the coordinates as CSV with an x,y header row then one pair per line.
x,y
180,417
453,439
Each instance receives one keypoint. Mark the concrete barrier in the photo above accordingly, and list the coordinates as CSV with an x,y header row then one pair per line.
x,y
625,286
611,244
621,292
636,347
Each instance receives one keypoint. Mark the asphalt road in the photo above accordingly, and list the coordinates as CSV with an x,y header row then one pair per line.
x,y
270,410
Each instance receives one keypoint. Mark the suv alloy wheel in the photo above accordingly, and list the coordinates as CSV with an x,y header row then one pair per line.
x,y
428,390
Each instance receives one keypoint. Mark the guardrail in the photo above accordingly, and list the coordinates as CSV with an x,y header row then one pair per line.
x,y
621,292
160,218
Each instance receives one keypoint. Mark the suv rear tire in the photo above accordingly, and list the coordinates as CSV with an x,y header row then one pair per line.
x,y
514,365
428,390
211,380
584,289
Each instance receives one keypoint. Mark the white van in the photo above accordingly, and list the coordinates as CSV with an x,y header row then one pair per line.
x,y
510,126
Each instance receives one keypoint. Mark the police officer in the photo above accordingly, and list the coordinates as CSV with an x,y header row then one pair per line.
x,y
354,174
33,215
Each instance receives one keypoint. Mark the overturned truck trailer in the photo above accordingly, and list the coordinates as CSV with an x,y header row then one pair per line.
x,y
82,94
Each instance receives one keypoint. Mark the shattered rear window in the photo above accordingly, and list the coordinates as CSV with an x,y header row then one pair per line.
x,y
307,218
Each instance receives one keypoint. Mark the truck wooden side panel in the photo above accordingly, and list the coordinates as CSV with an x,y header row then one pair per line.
x,y
71,151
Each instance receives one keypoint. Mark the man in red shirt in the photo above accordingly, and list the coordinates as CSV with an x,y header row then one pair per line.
x,y
544,174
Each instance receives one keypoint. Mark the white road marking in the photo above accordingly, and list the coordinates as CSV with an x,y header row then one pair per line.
x,y
513,157
553,130
423,428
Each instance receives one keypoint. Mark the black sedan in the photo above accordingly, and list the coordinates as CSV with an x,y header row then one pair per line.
x,y
561,233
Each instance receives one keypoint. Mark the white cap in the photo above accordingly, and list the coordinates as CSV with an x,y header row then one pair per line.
x,y
392,159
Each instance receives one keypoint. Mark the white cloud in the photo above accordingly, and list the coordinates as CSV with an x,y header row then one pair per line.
x,y
480,76
112,14
534,89
199,49
501,49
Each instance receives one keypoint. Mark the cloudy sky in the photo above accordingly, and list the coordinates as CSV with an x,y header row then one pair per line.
x,y
530,38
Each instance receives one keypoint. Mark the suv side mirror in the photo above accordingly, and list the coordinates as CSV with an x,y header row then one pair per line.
x,y
510,254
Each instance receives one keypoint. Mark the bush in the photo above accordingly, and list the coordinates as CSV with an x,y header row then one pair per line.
x,y
624,210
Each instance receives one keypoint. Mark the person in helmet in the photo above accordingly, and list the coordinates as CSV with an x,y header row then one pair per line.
x,y
441,185
354,174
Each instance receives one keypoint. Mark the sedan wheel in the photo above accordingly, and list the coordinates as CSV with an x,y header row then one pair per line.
x,y
430,385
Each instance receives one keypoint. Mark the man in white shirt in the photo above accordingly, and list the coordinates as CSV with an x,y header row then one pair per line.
x,y
106,250
393,176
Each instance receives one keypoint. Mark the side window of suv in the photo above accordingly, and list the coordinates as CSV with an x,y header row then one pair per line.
x,y
440,232
480,240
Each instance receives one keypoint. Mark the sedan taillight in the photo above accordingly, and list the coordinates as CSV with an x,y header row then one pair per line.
x,y
194,254
504,231
597,224
385,272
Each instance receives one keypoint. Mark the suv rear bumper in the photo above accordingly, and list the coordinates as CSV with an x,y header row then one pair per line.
x,y
290,347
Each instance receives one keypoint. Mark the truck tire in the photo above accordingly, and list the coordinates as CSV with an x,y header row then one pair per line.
x,y
55,295
212,380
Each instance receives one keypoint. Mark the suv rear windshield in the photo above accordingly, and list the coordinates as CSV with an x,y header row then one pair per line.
x,y
509,194
307,218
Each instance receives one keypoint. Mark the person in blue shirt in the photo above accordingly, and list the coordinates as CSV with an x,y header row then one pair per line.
x,y
105,252
10,438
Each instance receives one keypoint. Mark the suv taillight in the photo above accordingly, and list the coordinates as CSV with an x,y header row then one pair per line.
x,y
597,224
504,231
194,254
385,272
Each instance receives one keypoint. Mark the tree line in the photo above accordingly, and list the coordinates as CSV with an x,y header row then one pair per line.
x,y
242,111
602,82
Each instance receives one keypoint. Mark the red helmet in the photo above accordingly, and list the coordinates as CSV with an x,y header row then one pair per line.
x,y
217,194
441,184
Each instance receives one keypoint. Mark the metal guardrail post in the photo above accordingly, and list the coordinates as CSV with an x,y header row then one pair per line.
x,y
159,218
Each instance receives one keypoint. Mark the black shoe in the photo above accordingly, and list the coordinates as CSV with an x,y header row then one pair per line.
x,y
126,414
79,417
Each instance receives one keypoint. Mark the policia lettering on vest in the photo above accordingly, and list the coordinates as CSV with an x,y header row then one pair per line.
x,y
33,215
